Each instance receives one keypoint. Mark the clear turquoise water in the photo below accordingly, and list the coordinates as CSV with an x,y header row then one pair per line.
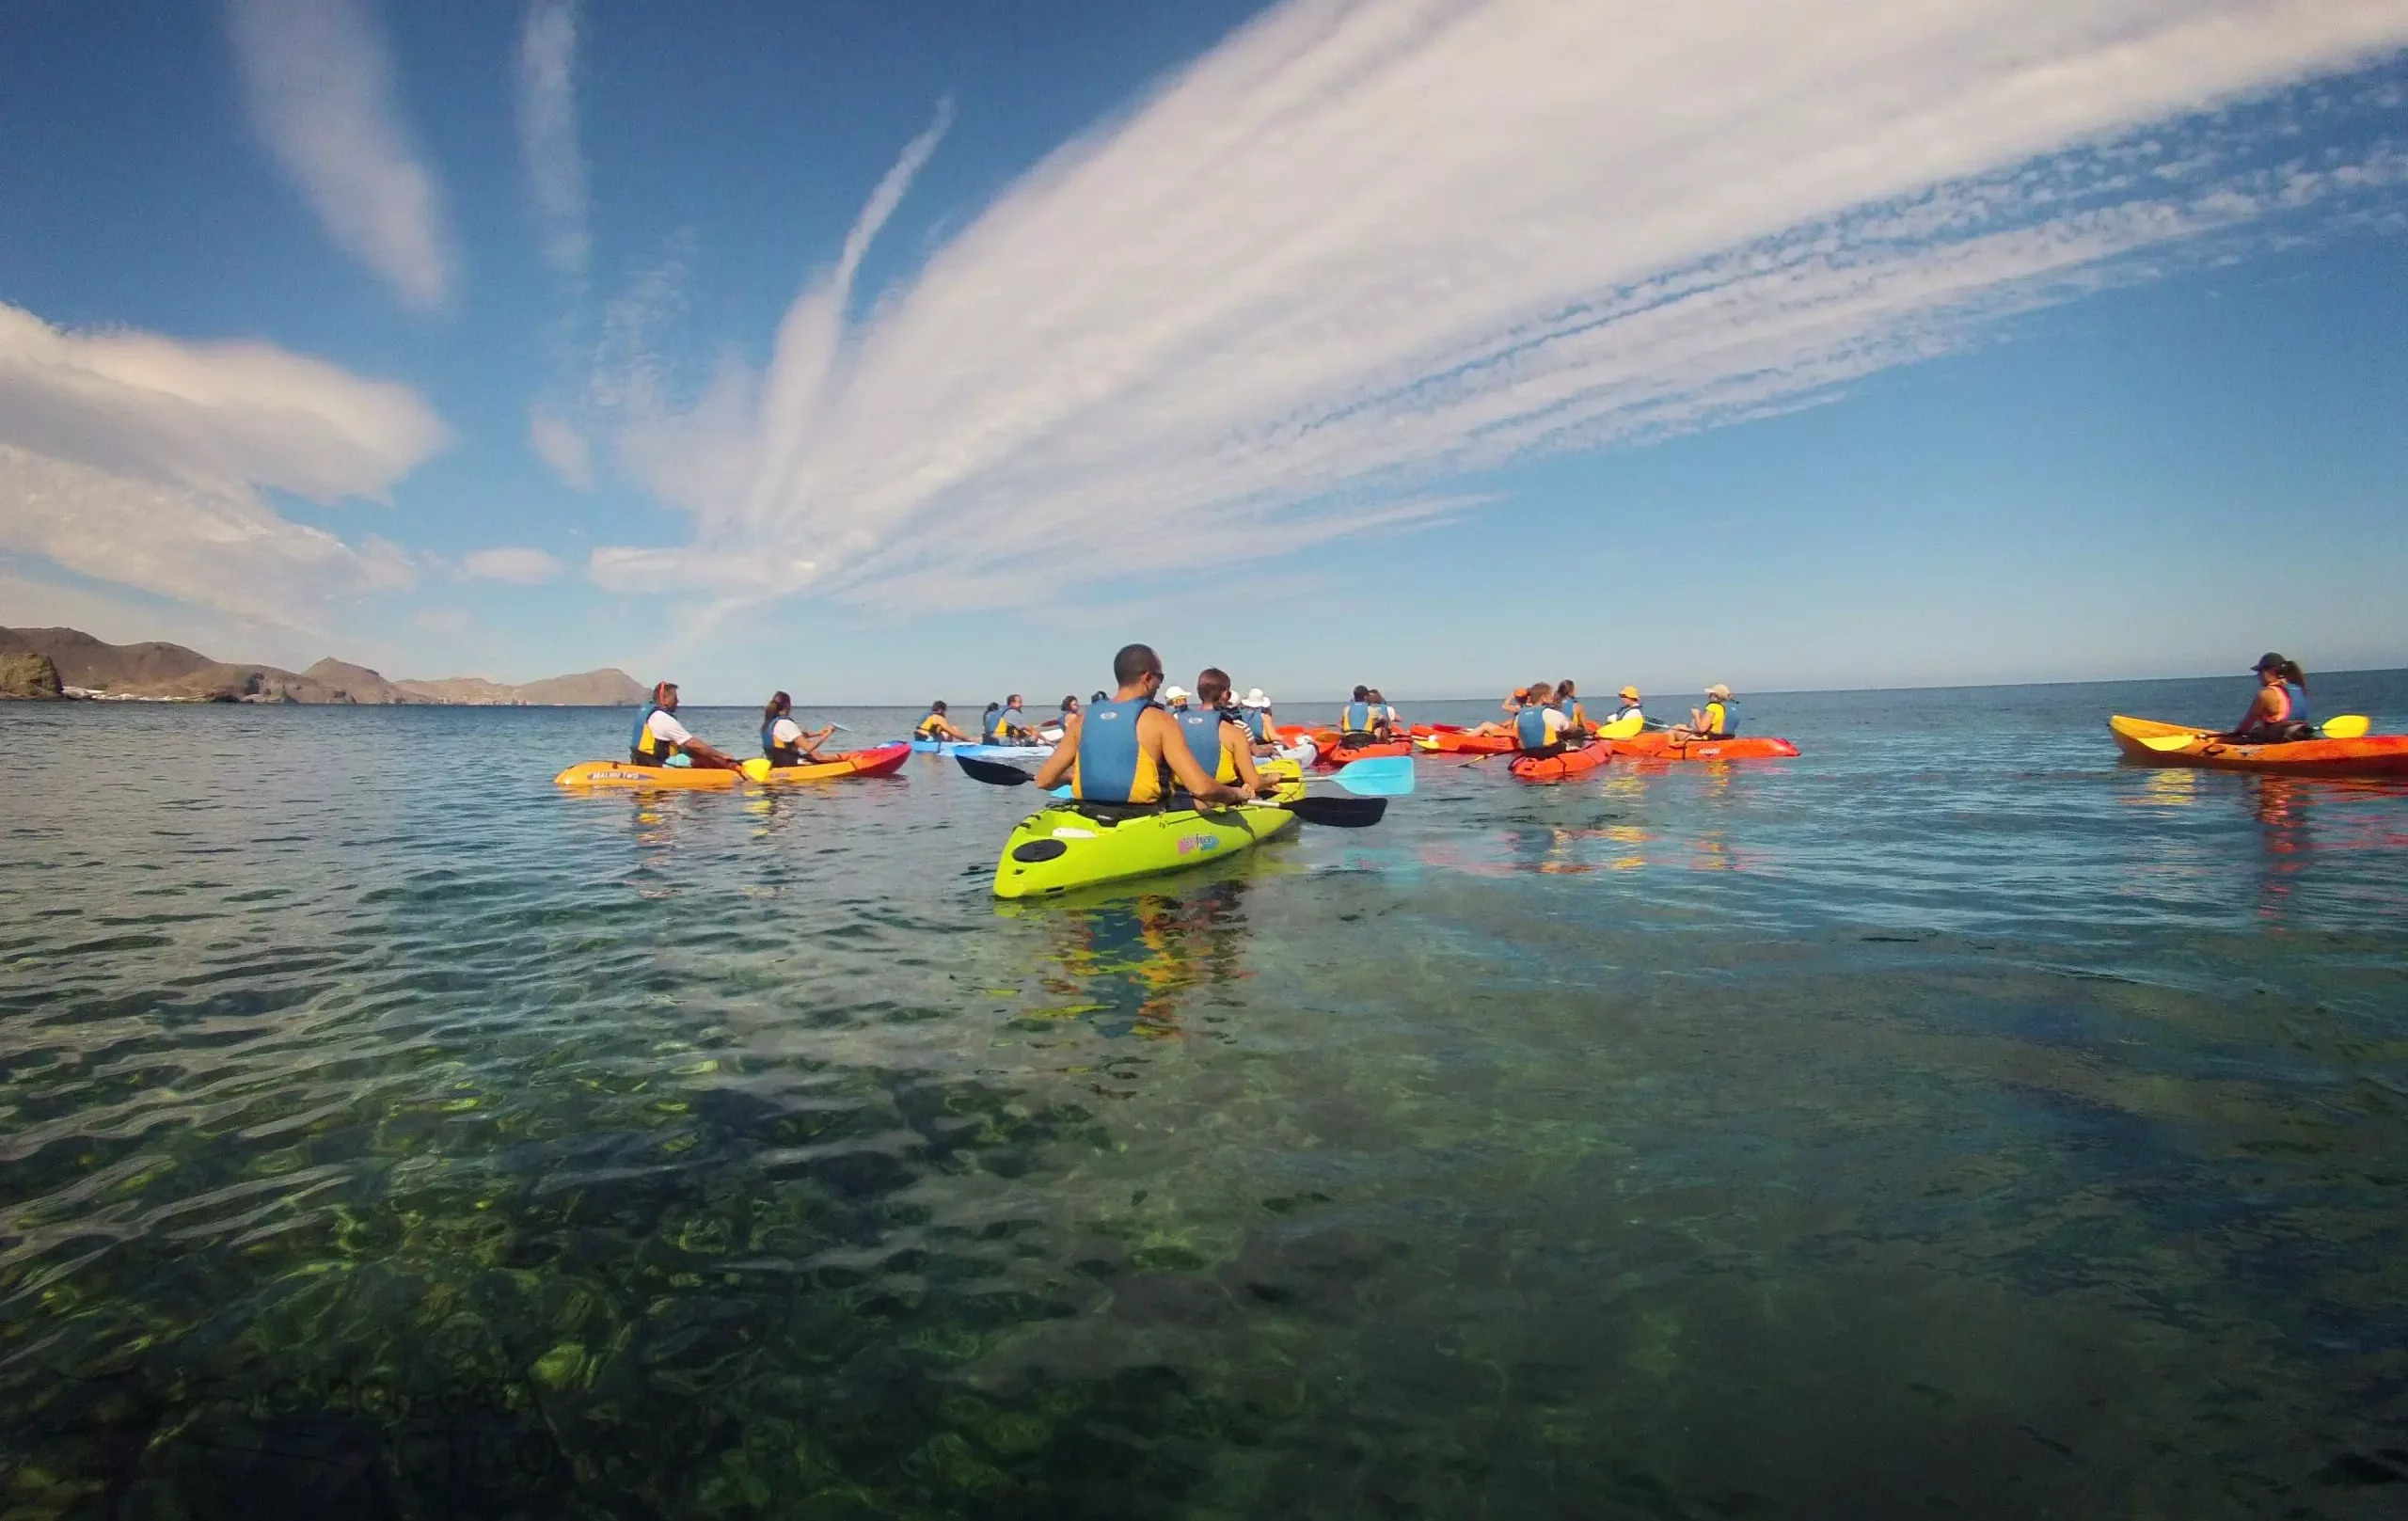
x,y
1947,1121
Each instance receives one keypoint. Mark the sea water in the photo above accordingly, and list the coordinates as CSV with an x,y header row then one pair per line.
x,y
1950,1120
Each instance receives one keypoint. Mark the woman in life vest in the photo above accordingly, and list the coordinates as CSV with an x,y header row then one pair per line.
x,y
936,726
1217,736
1567,702
1717,720
782,740
1260,727
1539,728
2278,713
659,739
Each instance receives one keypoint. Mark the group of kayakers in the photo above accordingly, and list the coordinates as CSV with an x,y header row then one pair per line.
x,y
1368,720
1548,716
659,739
1134,746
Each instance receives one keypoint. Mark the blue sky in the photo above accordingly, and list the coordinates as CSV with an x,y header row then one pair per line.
x,y
885,351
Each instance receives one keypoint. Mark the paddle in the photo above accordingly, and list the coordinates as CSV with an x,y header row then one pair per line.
x,y
2345,726
1331,812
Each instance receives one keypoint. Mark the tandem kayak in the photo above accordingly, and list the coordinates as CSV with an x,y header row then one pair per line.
x,y
2370,755
882,760
1555,767
1073,845
1658,744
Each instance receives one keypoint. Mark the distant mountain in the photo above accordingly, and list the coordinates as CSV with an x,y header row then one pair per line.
x,y
89,665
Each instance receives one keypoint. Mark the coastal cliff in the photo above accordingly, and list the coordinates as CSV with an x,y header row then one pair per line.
x,y
81,665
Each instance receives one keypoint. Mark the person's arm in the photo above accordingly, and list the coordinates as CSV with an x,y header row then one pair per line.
x,y
1057,767
2261,710
1172,747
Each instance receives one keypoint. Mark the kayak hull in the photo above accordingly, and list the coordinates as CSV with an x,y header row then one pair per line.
x,y
1443,743
979,752
1072,845
1657,744
1558,768
604,773
2371,755
880,760
1334,755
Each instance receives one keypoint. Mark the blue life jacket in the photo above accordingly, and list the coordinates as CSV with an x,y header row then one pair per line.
x,y
1358,718
1011,719
1257,724
1529,730
1202,731
1730,718
2296,703
779,754
1110,764
642,748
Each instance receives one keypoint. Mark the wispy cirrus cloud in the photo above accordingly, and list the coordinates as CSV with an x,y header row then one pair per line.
x,y
1360,247
547,139
319,81
140,460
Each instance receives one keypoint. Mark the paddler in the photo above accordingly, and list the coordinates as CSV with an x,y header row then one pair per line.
x,y
2278,713
1567,702
1361,722
1217,736
1120,748
659,739
1011,726
936,727
1717,720
1176,697
1539,727
1255,713
1394,719
1629,714
783,741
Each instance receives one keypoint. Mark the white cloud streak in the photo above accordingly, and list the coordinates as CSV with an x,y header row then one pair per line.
x,y
547,141
518,568
560,446
1360,246
319,81
139,459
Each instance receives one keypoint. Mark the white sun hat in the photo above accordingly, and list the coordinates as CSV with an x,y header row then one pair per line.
x,y
1256,699
1174,694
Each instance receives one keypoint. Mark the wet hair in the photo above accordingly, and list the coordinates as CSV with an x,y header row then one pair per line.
x,y
1211,686
1563,688
1134,663
779,702
1362,693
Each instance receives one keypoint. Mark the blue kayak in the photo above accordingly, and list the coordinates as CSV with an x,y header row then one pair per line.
x,y
976,752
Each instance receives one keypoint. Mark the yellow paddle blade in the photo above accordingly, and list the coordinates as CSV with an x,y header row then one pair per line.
x,y
1622,728
2348,726
2167,742
758,769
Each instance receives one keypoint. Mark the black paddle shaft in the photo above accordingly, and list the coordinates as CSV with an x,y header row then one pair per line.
x,y
1329,813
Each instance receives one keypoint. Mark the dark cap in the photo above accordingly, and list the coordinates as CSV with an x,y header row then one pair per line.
x,y
2270,661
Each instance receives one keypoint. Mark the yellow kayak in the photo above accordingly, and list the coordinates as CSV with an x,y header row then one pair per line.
x,y
882,761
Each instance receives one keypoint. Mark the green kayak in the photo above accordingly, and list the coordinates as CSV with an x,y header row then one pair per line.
x,y
1078,844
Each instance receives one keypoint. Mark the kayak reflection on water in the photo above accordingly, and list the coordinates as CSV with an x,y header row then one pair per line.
x,y
1132,962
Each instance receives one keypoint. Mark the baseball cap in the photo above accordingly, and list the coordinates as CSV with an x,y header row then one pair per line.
x,y
1717,689
2268,661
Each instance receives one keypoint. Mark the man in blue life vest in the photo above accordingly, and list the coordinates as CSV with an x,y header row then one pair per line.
x,y
1011,726
1362,722
1127,748
1541,727
658,738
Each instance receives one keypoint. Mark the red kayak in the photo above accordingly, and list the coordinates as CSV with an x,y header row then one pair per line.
x,y
1658,744
1555,767
1443,743
1336,755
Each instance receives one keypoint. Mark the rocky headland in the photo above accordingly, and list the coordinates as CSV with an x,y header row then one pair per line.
x,y
55,662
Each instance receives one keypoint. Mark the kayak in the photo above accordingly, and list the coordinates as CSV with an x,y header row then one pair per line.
x,y
1444,743
979,752
1332,756
1658,744
2374,754
1555,767
1073,844
882,760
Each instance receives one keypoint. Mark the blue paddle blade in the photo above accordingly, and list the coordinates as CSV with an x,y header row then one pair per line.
x,y
1062,791
1386,776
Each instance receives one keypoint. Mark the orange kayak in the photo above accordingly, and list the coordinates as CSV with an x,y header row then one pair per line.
x,y
1658,744
1555,767
2373,754
884,760
1467,744
1333,755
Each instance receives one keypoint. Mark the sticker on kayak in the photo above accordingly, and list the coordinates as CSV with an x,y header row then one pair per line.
x,y
1065,833
1195,844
